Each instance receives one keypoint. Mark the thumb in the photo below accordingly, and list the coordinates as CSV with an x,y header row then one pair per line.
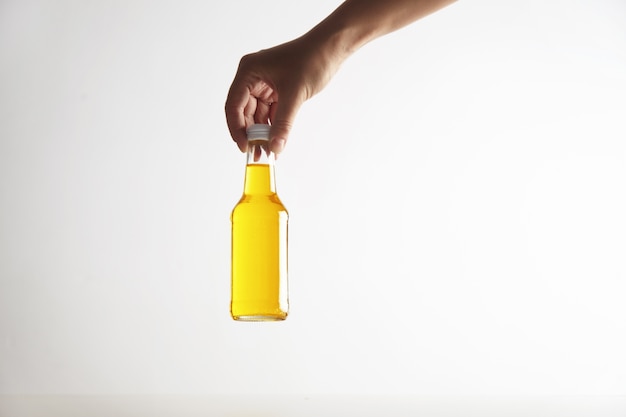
x,y
282,122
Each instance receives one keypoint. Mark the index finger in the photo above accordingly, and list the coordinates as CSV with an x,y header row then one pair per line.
x,y
236,102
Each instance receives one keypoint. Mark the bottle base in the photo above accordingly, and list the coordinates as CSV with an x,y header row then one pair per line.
x,y
261,317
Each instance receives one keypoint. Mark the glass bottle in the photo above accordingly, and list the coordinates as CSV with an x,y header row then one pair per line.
x,y
259,239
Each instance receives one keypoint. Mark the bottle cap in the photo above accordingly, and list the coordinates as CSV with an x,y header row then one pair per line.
x,y
258,132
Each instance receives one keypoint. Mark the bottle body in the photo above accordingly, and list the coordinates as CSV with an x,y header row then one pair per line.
x,y
259,245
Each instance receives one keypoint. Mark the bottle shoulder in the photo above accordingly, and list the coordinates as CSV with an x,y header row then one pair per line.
x,y
261,204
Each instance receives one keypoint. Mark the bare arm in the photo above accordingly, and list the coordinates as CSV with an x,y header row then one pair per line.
x,y
356,22
272,84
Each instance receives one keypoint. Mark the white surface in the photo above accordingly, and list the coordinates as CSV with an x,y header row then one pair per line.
x,y
457,200
300,406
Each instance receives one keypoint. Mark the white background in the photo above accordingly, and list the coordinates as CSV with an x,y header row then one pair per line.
x,y
457,198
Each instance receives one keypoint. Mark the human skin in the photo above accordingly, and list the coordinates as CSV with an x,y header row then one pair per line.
x,y
271,85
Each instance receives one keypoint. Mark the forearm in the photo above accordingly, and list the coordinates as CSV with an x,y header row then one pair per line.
x,y
357,22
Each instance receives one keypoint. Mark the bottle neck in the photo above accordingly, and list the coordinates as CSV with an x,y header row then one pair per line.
x,y
260,178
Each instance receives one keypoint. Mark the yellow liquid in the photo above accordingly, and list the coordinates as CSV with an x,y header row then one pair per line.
x,y
259,250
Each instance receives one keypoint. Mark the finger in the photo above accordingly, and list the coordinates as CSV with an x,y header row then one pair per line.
x,y
257,152
262,113
235,108
249,110
282,121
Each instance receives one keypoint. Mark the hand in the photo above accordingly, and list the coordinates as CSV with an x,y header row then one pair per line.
x,y
272,84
